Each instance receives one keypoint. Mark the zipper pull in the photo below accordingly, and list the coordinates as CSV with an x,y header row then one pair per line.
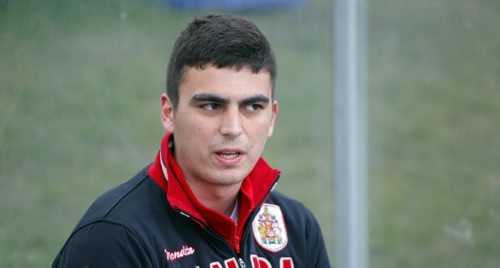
x,y
242,263
236,242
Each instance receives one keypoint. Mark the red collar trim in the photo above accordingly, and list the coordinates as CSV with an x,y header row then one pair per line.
x,y
254,189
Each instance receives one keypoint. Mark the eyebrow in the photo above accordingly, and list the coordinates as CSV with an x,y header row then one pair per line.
x,y
208,98
255,99
204,97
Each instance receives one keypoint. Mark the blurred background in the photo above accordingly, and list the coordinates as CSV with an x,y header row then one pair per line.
x,y
79,113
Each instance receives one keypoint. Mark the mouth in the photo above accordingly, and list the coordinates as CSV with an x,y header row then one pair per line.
x,y
228,154
229,157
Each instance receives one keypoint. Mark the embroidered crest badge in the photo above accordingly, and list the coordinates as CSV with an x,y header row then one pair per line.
x,y
269,228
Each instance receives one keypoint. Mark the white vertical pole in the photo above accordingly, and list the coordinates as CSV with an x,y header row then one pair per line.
x,y
350,145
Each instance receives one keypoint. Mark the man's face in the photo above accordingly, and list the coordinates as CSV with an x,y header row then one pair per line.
x,y
221,124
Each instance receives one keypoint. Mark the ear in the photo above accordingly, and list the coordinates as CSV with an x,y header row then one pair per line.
x,y
273,119
167,113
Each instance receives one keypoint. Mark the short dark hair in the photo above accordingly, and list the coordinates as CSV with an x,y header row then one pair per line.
x,y
222,40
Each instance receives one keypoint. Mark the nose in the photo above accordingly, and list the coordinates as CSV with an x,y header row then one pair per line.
x,y
231,123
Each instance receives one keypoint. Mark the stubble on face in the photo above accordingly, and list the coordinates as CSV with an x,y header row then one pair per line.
x,y
221,124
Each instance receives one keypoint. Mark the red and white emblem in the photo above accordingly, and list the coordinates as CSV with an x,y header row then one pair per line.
x,y
269,228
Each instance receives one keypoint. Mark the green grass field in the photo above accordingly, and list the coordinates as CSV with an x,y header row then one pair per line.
x,y
79,113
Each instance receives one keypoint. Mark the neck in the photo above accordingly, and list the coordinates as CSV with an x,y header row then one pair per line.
x,y
218,198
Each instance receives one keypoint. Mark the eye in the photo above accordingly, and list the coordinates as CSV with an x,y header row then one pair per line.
x,y
252,107
210,106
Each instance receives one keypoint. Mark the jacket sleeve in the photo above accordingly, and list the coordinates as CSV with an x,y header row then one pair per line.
x,y
316,249
102,244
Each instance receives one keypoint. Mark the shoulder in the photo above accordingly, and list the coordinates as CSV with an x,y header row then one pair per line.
x,y
102,244
117,224
287,203
119,204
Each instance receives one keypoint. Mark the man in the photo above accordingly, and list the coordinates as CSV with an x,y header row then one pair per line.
x,y
207,200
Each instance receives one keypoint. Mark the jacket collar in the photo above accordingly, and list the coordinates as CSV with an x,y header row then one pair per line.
x,y
254,190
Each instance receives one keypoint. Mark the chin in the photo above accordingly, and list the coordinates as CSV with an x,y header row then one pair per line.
x,y
231,178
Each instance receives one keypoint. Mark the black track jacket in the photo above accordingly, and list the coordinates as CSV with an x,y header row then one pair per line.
x,y
150,221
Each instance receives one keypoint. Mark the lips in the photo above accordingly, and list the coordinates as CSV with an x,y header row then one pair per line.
x,y
229,157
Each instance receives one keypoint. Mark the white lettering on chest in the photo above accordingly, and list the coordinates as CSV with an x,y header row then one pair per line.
x,y
177,254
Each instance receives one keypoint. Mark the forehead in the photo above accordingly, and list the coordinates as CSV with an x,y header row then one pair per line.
x,y
228,82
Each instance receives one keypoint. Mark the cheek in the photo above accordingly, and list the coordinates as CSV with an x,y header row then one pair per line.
x,y
190,125
258,136
196,133
261,129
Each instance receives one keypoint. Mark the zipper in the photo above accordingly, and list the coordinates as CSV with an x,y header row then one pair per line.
x,y
212,233
250,219
222,240
242,263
